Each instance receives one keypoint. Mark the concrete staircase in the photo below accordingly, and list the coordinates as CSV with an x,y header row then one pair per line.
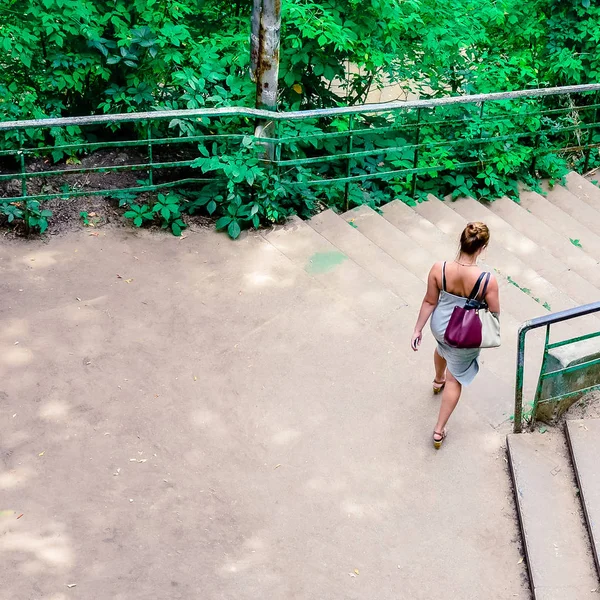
x,y
545,252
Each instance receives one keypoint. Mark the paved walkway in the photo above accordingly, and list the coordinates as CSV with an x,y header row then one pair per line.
x,y
198,418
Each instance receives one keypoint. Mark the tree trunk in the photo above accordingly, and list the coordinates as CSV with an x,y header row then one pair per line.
x,y
265,67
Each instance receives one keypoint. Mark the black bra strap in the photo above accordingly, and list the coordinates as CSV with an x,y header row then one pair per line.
x,y
444,276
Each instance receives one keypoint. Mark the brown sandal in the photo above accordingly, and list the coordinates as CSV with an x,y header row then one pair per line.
x,y
438,386
437,444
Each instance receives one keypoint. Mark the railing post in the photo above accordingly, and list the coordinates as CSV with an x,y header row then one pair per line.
x,y
24,184
538,389
536,144
592,131
413,191
518,417
349,148
150,158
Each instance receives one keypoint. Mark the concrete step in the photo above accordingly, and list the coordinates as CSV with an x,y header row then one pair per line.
x,y
561,222
574,206
510,266
369,256
537,230
554,536
583,189
354,287
584,442
545,264
408,251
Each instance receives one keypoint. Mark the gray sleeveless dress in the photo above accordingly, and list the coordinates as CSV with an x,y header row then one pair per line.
x,y
463,363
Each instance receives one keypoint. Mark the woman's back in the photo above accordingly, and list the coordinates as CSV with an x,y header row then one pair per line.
x,y
460,280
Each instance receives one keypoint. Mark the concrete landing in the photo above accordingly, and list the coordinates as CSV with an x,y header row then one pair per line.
x,y
218,423
584,443
557,546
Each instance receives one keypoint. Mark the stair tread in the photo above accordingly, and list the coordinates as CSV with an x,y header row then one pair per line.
x,y
334,270
584,189
561,222
584,442
557,548
582,212
544,263
369,256
537,230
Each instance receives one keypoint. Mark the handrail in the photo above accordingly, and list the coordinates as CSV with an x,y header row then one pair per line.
x,y
235,111
544,321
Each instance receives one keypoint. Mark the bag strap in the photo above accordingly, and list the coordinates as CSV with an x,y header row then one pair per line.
x,y
475,292
444,276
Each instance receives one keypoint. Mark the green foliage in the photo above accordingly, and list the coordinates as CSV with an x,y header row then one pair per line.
x,y
165,211
32,215
77,57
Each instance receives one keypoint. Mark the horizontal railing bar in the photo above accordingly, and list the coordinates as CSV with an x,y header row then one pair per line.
x,y
91,170
559,317
573,340
385,174
110,192
567,370
126,143
294,115
580,392
425,146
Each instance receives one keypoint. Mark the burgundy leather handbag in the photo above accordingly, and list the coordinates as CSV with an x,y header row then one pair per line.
x,y
474,326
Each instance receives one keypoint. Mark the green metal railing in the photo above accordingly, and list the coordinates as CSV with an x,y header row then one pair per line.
x,y
402,143
546,376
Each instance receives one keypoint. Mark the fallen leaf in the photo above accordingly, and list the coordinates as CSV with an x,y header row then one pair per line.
x,y
92,214
95,234
276,467
78,298
119,276
356,571
297,88
195,378
20,516
42,453
128,280
520,560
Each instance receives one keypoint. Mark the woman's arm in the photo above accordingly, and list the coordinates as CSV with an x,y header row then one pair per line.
x,y
428,306
492,296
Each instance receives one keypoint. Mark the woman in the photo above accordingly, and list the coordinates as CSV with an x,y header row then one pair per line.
x,y
449,285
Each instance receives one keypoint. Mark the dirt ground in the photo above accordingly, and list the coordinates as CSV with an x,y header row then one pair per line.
x,y
196,418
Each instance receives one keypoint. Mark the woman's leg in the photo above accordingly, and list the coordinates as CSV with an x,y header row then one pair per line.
x,y
450,399
440,367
